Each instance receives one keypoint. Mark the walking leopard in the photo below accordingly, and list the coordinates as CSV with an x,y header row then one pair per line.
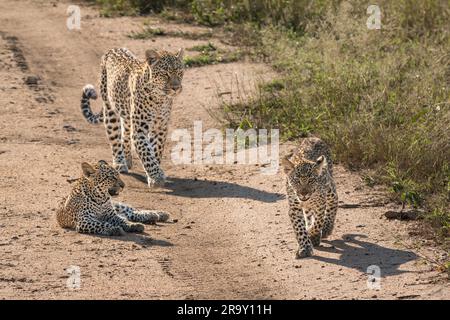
x,y
137,101
311,193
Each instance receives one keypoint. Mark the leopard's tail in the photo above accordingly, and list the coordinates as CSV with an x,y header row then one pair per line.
x,y
90,93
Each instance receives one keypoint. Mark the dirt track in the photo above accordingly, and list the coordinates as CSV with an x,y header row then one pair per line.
x,y
232,239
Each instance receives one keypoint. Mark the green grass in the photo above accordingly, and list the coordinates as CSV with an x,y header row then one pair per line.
x,y
209,47
210,54
211,58
112,8
151,32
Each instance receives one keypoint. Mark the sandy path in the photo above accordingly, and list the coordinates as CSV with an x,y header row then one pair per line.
x,y
232,239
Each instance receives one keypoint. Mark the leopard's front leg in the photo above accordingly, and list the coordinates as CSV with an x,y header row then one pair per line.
x,y
146,147
299,225
330,211
315,208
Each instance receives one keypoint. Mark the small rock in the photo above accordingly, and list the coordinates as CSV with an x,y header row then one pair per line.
x,y
402,215
32,80
69,128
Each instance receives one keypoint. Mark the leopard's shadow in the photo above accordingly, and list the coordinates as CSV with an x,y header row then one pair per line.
x,y
144,240
358,254
193,188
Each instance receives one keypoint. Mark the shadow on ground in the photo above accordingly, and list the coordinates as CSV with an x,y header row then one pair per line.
x,y
358,254
193,188
142,239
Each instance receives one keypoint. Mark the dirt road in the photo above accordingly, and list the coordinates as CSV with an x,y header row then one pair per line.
x,y
232,239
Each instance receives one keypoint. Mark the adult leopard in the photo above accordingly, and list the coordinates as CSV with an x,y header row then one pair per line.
x,y
89,208
137,101
311,191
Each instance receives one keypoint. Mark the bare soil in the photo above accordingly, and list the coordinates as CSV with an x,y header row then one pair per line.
x,y
232,237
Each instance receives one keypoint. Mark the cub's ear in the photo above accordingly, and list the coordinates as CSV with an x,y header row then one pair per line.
x,y
102,162
180,54
88,170
287,164
152,56
322,164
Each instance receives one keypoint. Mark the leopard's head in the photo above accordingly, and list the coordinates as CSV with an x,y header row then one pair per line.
x,y
104,178
167,69
304,175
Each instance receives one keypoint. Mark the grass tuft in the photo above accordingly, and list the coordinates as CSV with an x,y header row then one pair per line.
x,y
210,54
151,32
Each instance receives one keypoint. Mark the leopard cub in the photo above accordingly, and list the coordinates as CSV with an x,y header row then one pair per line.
x,y
89,208
311,193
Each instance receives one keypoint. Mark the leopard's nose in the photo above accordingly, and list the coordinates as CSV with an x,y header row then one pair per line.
x,y
303,192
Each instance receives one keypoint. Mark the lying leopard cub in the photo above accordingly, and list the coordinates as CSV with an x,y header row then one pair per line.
x,y
89,208
311,193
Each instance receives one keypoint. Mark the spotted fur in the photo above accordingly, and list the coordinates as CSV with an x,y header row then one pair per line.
x,y
311,193
137,101
89,208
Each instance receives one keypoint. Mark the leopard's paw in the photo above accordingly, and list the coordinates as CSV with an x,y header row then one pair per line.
x,y
157,180
137,227
116,231
315,240
121,167
129,161
163,216
327,232
306,251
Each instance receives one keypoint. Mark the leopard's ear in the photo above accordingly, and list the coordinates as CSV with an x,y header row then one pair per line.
x,y
180,54
287,164
88,170
322,164
152,56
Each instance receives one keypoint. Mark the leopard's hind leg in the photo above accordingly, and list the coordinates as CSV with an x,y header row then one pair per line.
x,y
116,220
143,216
90,224
126,140
112,122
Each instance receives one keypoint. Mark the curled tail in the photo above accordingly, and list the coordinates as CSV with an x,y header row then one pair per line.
x,y
90,93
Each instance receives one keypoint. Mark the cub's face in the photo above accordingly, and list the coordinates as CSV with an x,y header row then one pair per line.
x,y
104,177
168,67
304,175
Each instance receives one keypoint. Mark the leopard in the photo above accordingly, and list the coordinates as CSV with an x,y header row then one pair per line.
x,y
311,193
89,207
137,101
